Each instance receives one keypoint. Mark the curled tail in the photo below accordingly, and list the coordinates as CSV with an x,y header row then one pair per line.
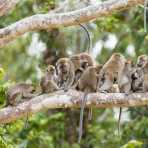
x,y
81,116
88,35
145,16
119,119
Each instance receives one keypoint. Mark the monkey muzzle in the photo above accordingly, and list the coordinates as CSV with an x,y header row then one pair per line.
x,y
84,64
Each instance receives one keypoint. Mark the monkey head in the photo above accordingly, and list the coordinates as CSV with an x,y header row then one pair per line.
x,y
117,56
50,69
84,64
63,66
141,60
86,60
129,65
76,61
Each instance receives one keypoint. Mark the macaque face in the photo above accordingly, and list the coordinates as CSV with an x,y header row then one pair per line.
x,y
63,66
142,60
84,64
51,69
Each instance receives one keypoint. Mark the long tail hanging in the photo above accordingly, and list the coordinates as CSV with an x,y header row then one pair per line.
x,y
81,116
145,15
119,119
88,35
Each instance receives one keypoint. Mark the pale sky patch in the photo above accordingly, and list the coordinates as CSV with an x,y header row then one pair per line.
x,y
96,50
111,41
130,50
36,47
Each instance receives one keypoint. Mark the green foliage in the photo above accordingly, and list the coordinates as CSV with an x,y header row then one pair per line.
x,y
133,144
58,128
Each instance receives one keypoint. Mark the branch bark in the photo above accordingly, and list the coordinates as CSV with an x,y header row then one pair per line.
x,y
6,6
48,21
71,99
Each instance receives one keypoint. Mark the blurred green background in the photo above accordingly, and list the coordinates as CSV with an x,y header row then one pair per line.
x,y
25,59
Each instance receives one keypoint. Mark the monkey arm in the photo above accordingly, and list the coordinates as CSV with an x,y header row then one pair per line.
x,y
54,85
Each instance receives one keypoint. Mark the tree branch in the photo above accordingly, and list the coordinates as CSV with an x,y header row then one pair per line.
x,y
7,5
48,21
71,99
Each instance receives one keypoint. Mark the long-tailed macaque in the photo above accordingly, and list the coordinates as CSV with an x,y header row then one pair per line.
x,y
137,76
124,83
81,62
17,92
48,84
142,60
65,73
110,72
87,83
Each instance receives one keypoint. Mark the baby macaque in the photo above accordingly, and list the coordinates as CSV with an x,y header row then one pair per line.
x,y
110,72
87,83
137,79
137,75
65,73
142,60
17,92
48,84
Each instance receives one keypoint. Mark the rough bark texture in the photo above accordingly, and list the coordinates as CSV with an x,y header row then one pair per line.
x,y
71,99
6,6
48,21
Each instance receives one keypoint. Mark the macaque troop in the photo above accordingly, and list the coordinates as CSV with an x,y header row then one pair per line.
x,y
80,72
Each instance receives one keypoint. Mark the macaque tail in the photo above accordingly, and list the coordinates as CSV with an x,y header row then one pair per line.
x,y
26,122
90,112
145,16
119,119
88,35
81,116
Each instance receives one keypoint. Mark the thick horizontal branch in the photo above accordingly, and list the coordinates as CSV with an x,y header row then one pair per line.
x,y
48,21
71,99
6,6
